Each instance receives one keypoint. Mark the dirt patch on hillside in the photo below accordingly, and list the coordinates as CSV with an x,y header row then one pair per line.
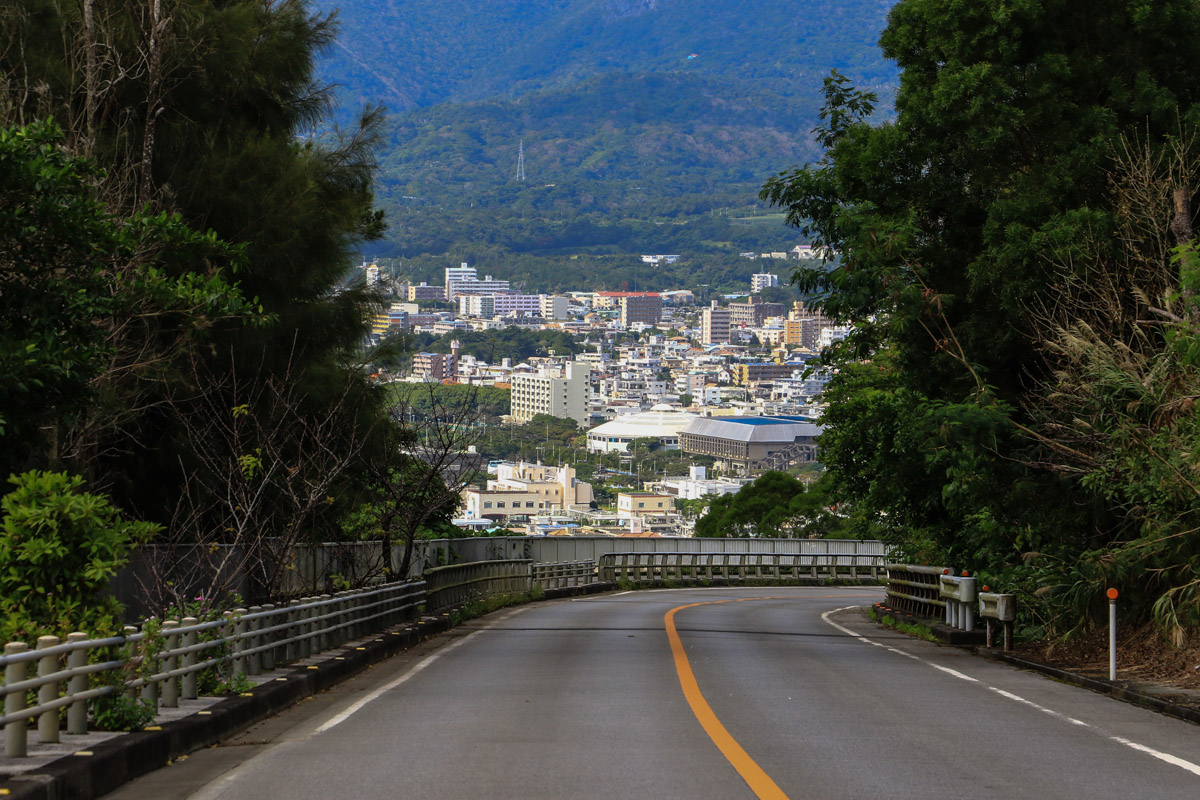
x,y
1143,657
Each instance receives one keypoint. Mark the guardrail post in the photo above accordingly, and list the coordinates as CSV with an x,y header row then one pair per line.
x,y
15,741
188,681
47,692
239,642
291,650
268,655
127,631
254,660
77,660
324,641
170,689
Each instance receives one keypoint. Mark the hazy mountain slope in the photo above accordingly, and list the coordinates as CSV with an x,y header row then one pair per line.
x,y
665,110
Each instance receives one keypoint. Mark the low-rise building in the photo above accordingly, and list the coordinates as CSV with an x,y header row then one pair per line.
x,y
527,490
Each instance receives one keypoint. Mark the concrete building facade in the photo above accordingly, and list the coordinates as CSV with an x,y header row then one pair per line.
x,y
559,392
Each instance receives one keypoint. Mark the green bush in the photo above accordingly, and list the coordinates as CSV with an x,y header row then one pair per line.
x,y
59,545
116,712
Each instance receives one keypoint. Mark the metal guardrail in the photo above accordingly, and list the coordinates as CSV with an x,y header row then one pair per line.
x,y
567,573
915,589
660,567
248,641
452,586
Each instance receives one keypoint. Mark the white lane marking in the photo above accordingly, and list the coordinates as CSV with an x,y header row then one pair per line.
x,y
1141,748
342,716
953,672
1167,757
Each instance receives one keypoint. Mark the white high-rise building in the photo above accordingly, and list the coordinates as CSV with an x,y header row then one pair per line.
x,y
762,280
465,280
558,391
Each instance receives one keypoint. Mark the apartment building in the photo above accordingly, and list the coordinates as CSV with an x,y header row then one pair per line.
x,y
465,280
558,391
763,280
714,325
426,292
753,312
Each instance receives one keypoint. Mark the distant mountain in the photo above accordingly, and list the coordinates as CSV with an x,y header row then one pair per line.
x,y
635,108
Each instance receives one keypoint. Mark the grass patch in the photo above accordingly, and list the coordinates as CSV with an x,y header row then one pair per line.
x,y
914,629
477,608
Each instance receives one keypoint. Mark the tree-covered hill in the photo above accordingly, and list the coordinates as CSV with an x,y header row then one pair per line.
x,y
411,54
630,111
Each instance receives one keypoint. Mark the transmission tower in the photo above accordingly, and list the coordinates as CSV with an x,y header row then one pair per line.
x,y
521,161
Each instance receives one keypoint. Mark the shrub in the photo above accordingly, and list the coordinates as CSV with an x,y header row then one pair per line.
x,y
59,545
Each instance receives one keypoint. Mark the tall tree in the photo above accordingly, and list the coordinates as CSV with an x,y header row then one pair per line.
x,y
945,219
207,109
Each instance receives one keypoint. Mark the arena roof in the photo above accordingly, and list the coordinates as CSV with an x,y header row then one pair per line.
x,y
645,424
753,429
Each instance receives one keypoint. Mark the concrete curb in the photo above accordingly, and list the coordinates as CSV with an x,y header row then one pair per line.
x,y
1129,694
975,639
942,632
110,764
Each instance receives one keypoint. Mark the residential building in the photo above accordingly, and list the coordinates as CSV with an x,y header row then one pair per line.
x,y
527,490
426,292
644,504
465,280
763,280
558,391
553,306
438,366
477,305
746,374
643,307
753,312
714,325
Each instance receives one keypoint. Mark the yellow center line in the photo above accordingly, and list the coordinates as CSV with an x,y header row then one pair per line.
x,y
759,781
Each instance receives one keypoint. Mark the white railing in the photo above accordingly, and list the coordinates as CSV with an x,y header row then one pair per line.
x,y
916,589
685,567
452,586
246,641
565,574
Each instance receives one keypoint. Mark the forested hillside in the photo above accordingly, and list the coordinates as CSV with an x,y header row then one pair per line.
x,y
644,115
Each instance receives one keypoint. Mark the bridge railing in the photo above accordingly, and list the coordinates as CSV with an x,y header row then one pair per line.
x,y
452,586
916,589
732,567
164,666
564,574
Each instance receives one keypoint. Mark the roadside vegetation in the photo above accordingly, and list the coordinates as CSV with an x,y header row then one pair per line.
x,y
1019,264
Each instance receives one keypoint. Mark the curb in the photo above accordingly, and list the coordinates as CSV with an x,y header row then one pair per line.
x,y
123,758
1099,685
944,633
974,640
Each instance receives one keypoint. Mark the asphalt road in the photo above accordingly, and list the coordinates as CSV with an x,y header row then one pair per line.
x,y
788,697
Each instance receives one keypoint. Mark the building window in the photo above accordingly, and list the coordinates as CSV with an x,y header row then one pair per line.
x,y
500,504
641,505
487,503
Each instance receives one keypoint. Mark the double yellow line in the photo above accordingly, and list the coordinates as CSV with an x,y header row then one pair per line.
x,y
759,781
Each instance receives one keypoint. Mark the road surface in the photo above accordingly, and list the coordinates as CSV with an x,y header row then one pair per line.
x,y
696,693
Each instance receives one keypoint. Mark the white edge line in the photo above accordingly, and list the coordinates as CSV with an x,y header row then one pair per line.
x,y
1141,748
